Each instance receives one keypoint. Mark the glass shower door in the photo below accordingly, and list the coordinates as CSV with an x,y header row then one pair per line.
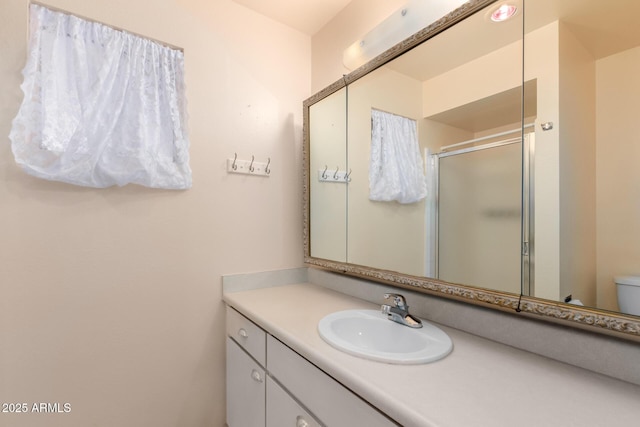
x,y
479,216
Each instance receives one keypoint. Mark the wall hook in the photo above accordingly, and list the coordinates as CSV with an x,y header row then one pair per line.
x,y
347,177
250,167
324,172
335,174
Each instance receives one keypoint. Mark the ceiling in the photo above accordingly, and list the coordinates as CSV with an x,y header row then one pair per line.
x,y
307,16
599,28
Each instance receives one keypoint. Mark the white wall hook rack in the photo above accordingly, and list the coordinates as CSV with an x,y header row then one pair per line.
x,y
248,167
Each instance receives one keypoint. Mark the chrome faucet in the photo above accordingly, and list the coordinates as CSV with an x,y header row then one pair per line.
x,y
399,312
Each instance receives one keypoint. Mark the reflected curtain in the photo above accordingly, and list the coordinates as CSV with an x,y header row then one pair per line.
x,y
101,107
396,167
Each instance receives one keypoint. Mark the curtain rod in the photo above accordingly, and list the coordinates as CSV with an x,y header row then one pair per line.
x,y
495,135
56,9
393,114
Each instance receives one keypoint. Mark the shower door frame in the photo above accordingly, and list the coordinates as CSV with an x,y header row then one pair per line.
x,y
527,141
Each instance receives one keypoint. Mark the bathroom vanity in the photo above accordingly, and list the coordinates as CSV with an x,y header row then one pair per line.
x,y
266,380
278,361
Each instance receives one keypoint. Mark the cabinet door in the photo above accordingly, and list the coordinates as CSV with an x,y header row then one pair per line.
x,y
245,389
283,410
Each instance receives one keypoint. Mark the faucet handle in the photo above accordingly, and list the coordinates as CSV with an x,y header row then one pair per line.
x,y
398,300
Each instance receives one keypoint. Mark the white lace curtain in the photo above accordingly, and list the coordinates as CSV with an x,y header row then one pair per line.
x,y
396,170
101,107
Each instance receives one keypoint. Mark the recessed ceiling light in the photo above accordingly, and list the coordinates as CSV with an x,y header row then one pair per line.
x,y
503,13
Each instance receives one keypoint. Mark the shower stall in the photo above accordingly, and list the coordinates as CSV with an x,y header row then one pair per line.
x,y
481,215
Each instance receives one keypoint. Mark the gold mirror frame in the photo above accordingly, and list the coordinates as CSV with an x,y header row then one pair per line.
x,y
591,319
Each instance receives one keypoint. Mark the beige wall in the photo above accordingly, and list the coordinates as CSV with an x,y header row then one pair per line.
x,y
577,169
618,188
541,63
110,299
477,79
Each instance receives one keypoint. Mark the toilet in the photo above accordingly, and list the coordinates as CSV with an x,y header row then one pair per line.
x,y
629,294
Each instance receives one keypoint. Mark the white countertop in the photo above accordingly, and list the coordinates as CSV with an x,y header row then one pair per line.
x,y
481,383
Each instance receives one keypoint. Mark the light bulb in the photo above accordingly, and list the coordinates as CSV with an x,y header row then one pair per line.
x,y
503,13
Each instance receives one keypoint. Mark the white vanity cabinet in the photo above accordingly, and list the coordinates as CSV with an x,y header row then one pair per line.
x,y
246,376
253,397
268,384
246,389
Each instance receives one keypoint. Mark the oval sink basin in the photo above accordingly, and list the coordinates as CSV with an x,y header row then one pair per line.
x,y
371,335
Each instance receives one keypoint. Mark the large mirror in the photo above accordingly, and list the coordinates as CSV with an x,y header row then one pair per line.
x,y
489,161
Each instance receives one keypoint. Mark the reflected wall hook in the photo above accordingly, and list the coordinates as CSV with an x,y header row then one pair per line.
x,y
251,168
338,176
266,169
234,166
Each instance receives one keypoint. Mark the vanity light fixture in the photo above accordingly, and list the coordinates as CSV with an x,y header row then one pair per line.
x,y
504,12
409,19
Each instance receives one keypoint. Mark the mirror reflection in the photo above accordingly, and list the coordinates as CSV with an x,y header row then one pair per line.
x,y
328,193
524,129
459,98
587,195
465,100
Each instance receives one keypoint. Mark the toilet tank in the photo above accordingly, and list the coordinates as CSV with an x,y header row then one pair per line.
x,y
629,294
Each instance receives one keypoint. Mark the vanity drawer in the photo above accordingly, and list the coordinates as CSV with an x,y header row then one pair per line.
x,y
247,334
332,403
